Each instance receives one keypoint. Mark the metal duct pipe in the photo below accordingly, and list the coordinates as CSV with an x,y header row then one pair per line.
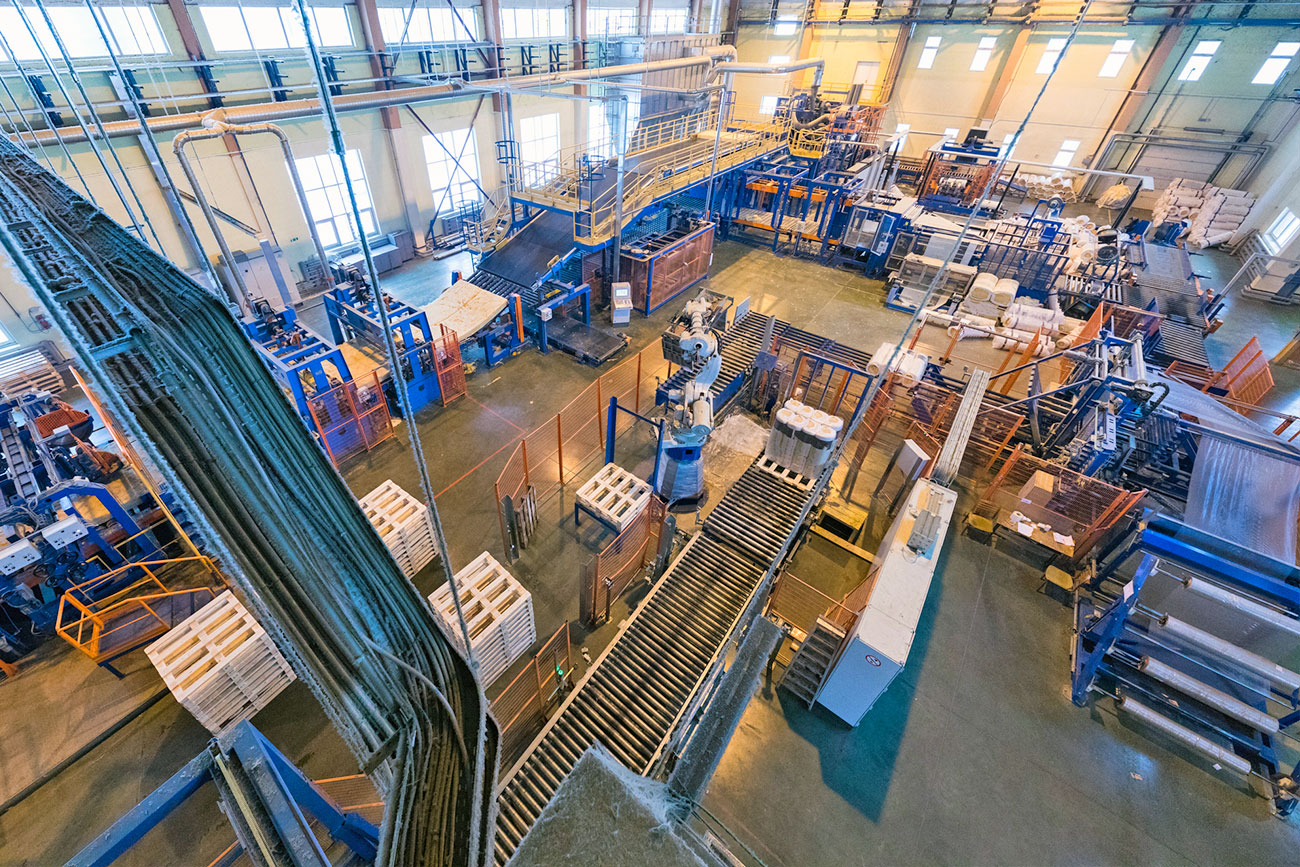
x,y
215,124
731,67
1282,678
1244,605
302,108
1202,745
236,289
1217,699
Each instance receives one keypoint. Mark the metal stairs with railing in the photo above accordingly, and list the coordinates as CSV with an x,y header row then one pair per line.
x,y
813,657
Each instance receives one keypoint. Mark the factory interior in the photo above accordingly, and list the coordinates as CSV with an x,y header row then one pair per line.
x,y
649,432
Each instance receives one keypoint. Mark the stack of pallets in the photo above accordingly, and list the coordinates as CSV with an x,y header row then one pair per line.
x,y
220,664
404,523
498,611
615,496
29,371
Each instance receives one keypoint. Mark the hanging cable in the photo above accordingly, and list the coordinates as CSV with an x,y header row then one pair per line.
x,y
67,98
49,123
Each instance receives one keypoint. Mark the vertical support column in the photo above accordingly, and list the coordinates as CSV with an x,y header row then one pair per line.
x,y
500,102
620,152
643,8
390,117
1003,76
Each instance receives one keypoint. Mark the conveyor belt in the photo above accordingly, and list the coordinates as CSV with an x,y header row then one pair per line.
x,y
632,698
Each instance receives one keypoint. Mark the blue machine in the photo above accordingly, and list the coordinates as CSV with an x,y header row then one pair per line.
x,y
272,807
354,318
1188,643
957,176
300,360
53,531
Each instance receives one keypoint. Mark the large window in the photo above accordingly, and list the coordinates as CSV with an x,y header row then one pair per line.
x,y
1200,59
427,25
784,25
1008,145
1114,61
530,23
1282,231
1276,64
1051,54
263,28
929,52
539,138
611,22
452,159
767,105
983,53
667,20
133,30
327,198
1065,155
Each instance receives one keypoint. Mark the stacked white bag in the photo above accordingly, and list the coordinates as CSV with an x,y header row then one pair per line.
x,y
1055,185
1181,200
1082,251
1219,218
802,438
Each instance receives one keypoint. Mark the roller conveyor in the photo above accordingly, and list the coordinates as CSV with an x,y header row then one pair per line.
x,y
634,695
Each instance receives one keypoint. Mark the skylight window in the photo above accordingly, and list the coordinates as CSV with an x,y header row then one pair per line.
x,y
983,54
1115,60
929,52
1276,64
785,25
1200,59
1065,155
1051,54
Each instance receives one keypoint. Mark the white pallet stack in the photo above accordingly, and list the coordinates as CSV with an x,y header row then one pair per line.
x,y
29,371
404,523
615,495
220,664
498,611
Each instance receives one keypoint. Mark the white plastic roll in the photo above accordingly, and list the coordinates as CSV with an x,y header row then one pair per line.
x,y
1203,745
804,437
1217,699
782,430
1244,605
876,366
788,444
820,450
1284,679
836,424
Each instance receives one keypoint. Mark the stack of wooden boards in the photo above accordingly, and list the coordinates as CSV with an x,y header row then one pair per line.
x,y
404,523
1214,213
220,664
498,611
29,371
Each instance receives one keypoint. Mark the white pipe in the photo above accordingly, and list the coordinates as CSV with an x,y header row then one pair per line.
x,y
1206,694
770,68
1202,745
1240,603
311,107
1283,678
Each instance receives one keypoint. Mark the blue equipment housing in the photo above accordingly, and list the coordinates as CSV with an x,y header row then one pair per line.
x,y
353,313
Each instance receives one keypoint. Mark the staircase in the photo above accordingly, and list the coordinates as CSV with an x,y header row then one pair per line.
x,y
803,677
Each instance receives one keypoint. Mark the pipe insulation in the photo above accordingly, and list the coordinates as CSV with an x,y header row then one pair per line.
x,y
1215,698
1283,679
310,107
1202,745
1237,602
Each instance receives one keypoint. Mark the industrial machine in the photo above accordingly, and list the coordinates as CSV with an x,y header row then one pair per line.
x,y
691,342
60,525
1188,633
956,177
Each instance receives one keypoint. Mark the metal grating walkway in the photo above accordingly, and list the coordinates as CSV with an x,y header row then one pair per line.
x,y
634,695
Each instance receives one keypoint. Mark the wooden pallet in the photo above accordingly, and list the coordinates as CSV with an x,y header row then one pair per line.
x,y
498,613
615,496
29,371
220,664
799,480
403,523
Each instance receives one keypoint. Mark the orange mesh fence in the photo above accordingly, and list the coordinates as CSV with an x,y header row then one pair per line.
x,y
612,571
351,418
1071,504
1247,376
523,706
449,365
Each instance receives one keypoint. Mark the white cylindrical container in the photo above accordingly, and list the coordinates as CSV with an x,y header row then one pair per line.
x,y
804,437
820,450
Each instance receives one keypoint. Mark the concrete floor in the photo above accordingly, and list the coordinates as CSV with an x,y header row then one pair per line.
x,y
974,756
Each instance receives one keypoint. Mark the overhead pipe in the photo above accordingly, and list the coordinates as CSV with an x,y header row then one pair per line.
x,y
215,125
730,68
294,109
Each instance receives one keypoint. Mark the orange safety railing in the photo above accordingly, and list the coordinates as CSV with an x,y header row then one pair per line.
x,y
607,575
130,617
1082,508
352,418
449,365
521,709
559,450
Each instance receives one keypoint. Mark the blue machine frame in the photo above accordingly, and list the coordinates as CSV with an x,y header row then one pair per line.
x,y
286,798
354,317
1105,632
